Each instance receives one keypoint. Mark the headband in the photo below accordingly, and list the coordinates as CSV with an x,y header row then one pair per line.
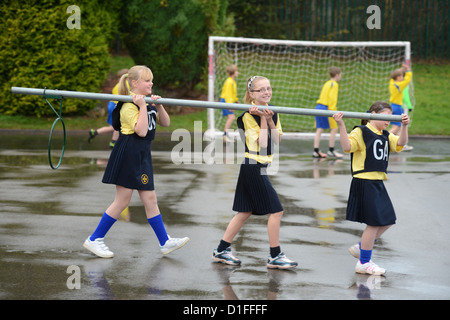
x,y
250,82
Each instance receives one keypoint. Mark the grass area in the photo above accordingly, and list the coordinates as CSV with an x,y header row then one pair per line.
x,y
432,111
120,62
431,83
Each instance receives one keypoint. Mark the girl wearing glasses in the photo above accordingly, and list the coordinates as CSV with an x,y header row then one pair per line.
x,y
260,130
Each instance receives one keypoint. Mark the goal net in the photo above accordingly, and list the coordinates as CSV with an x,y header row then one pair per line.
x,y
297,71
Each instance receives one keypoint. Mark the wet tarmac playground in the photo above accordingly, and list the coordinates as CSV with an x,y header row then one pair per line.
x,y
47,214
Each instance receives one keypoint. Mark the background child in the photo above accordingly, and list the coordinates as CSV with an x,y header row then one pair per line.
x,y
254,192
400,79
368,201
229,95
111,106
328,101
130,164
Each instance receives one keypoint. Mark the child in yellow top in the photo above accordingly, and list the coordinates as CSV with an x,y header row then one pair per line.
x,y
254,194
400,79
130,165
368,201
229,95
328,101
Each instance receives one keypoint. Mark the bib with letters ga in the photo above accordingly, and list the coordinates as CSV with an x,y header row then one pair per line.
x,y
377,151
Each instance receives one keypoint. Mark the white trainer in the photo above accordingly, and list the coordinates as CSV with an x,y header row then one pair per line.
x,y
98,247
173,244
369,268
281,262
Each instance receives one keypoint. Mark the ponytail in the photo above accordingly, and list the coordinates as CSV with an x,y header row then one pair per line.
x,y
123,85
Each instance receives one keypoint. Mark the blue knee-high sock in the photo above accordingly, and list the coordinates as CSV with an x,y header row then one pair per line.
x,y
158,226
103,227
365,256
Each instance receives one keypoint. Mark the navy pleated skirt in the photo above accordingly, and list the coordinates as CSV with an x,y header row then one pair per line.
x,y
369,203
130,163
254,191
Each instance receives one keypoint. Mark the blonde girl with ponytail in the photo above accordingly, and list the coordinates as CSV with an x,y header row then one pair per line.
x,y
130,164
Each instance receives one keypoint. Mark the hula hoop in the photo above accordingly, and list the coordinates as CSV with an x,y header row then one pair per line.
x,y
50,144
59,118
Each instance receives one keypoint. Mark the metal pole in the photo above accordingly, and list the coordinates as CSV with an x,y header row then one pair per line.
x,y
203,104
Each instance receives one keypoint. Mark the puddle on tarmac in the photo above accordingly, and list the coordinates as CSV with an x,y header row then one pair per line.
x,y
46,215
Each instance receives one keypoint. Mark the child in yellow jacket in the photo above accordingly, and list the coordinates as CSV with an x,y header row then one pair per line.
x,y
400,79
328,101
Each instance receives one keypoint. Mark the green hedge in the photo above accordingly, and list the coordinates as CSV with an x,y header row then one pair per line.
x,y
38,50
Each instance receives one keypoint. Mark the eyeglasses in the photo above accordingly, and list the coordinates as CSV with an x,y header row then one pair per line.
x,y
263,90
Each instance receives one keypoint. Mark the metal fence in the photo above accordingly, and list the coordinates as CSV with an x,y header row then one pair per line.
x,y
424,23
